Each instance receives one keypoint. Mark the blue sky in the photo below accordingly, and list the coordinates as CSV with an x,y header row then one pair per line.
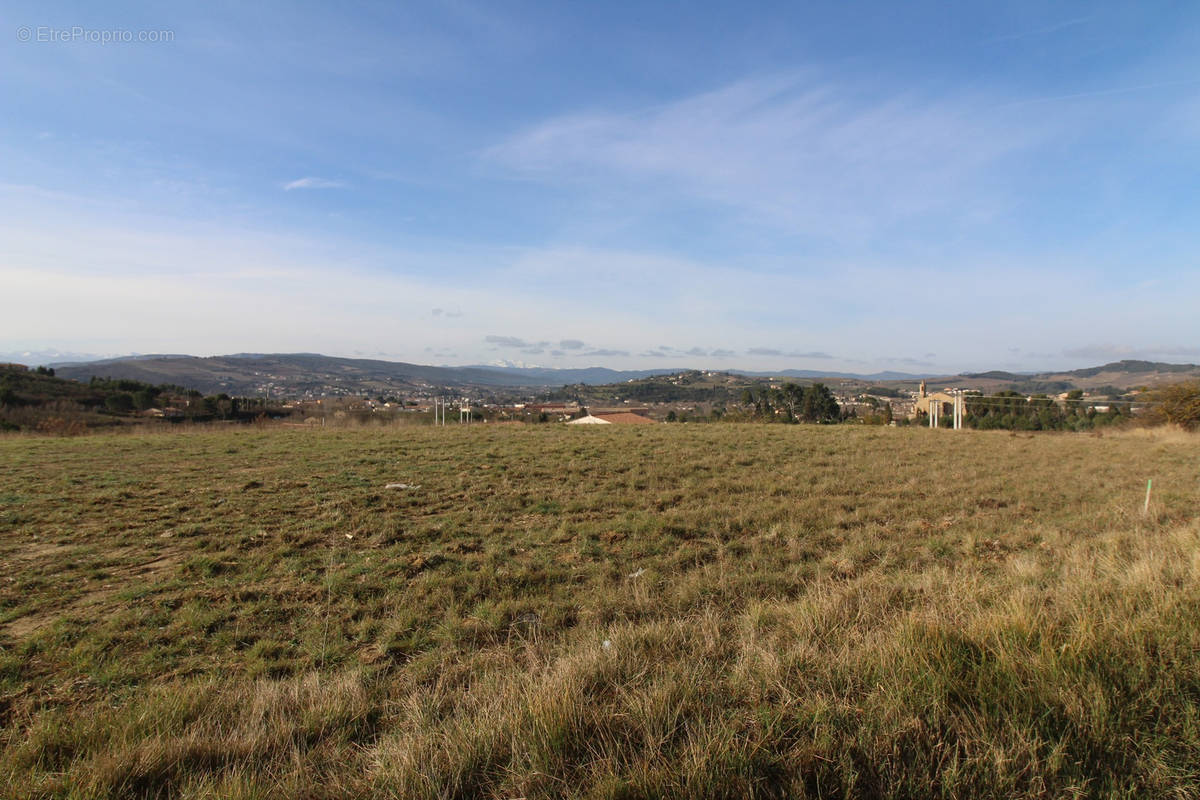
x,y
852,186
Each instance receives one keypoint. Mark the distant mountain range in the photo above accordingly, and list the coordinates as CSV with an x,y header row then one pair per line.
x,y
887,375
1127,367
1126,374
295,374
298,374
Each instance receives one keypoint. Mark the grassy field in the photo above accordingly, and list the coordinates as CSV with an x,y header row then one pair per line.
x,y
655,611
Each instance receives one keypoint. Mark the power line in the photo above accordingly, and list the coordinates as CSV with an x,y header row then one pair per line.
x,y
1001,400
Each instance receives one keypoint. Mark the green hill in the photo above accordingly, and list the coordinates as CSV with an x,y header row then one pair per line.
x,y
39,399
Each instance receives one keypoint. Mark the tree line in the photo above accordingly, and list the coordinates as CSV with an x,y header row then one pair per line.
x,y
1011,410
793,403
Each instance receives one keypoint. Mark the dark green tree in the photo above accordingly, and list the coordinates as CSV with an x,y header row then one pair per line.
x,y
145,398
119,402
819,405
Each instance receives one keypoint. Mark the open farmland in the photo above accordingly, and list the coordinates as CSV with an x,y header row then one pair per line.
x,y
654,611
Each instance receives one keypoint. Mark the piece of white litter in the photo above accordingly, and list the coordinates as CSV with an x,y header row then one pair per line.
x,y
402,486
349,535
640,572
607,644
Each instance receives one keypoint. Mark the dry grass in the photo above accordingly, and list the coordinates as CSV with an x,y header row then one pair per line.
x,y
677,611
1164,434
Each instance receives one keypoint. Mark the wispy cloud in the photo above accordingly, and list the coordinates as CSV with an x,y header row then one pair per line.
x,y
507,341
526,347
667,351
313,183
1112,90
793,150
908,362
1042,30
1117,352
770,351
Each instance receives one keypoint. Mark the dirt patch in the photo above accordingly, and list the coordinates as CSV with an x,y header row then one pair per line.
x,y
22,627
121,577
155,566
37,549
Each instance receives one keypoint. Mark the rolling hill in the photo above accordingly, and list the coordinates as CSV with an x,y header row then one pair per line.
x,y
292,374
299,374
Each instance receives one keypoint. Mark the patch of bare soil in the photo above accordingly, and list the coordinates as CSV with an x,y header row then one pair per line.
x,y
121,577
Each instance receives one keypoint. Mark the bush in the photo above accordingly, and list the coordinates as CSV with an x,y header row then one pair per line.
x,y
145,398
1178,404
120,403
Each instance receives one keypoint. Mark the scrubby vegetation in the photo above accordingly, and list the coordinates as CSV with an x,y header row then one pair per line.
x,y
1177,404
37,400
655,611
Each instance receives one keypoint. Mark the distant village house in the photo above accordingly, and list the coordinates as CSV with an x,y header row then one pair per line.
x,y
613,418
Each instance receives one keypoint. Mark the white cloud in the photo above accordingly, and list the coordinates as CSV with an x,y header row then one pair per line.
x,y
313,183
810,155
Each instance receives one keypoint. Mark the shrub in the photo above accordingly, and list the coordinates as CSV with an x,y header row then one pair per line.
x,y
1178,404
119,403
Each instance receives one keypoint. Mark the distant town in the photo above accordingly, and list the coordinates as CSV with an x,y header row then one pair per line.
x,y
318,390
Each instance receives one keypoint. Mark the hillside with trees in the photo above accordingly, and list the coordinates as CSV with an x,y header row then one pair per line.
x,y
39,400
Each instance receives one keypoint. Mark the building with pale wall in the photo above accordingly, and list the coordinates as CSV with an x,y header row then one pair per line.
x,y
924,399
617,418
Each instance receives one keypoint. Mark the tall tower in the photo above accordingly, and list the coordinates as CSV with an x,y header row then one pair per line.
x,y
922,389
